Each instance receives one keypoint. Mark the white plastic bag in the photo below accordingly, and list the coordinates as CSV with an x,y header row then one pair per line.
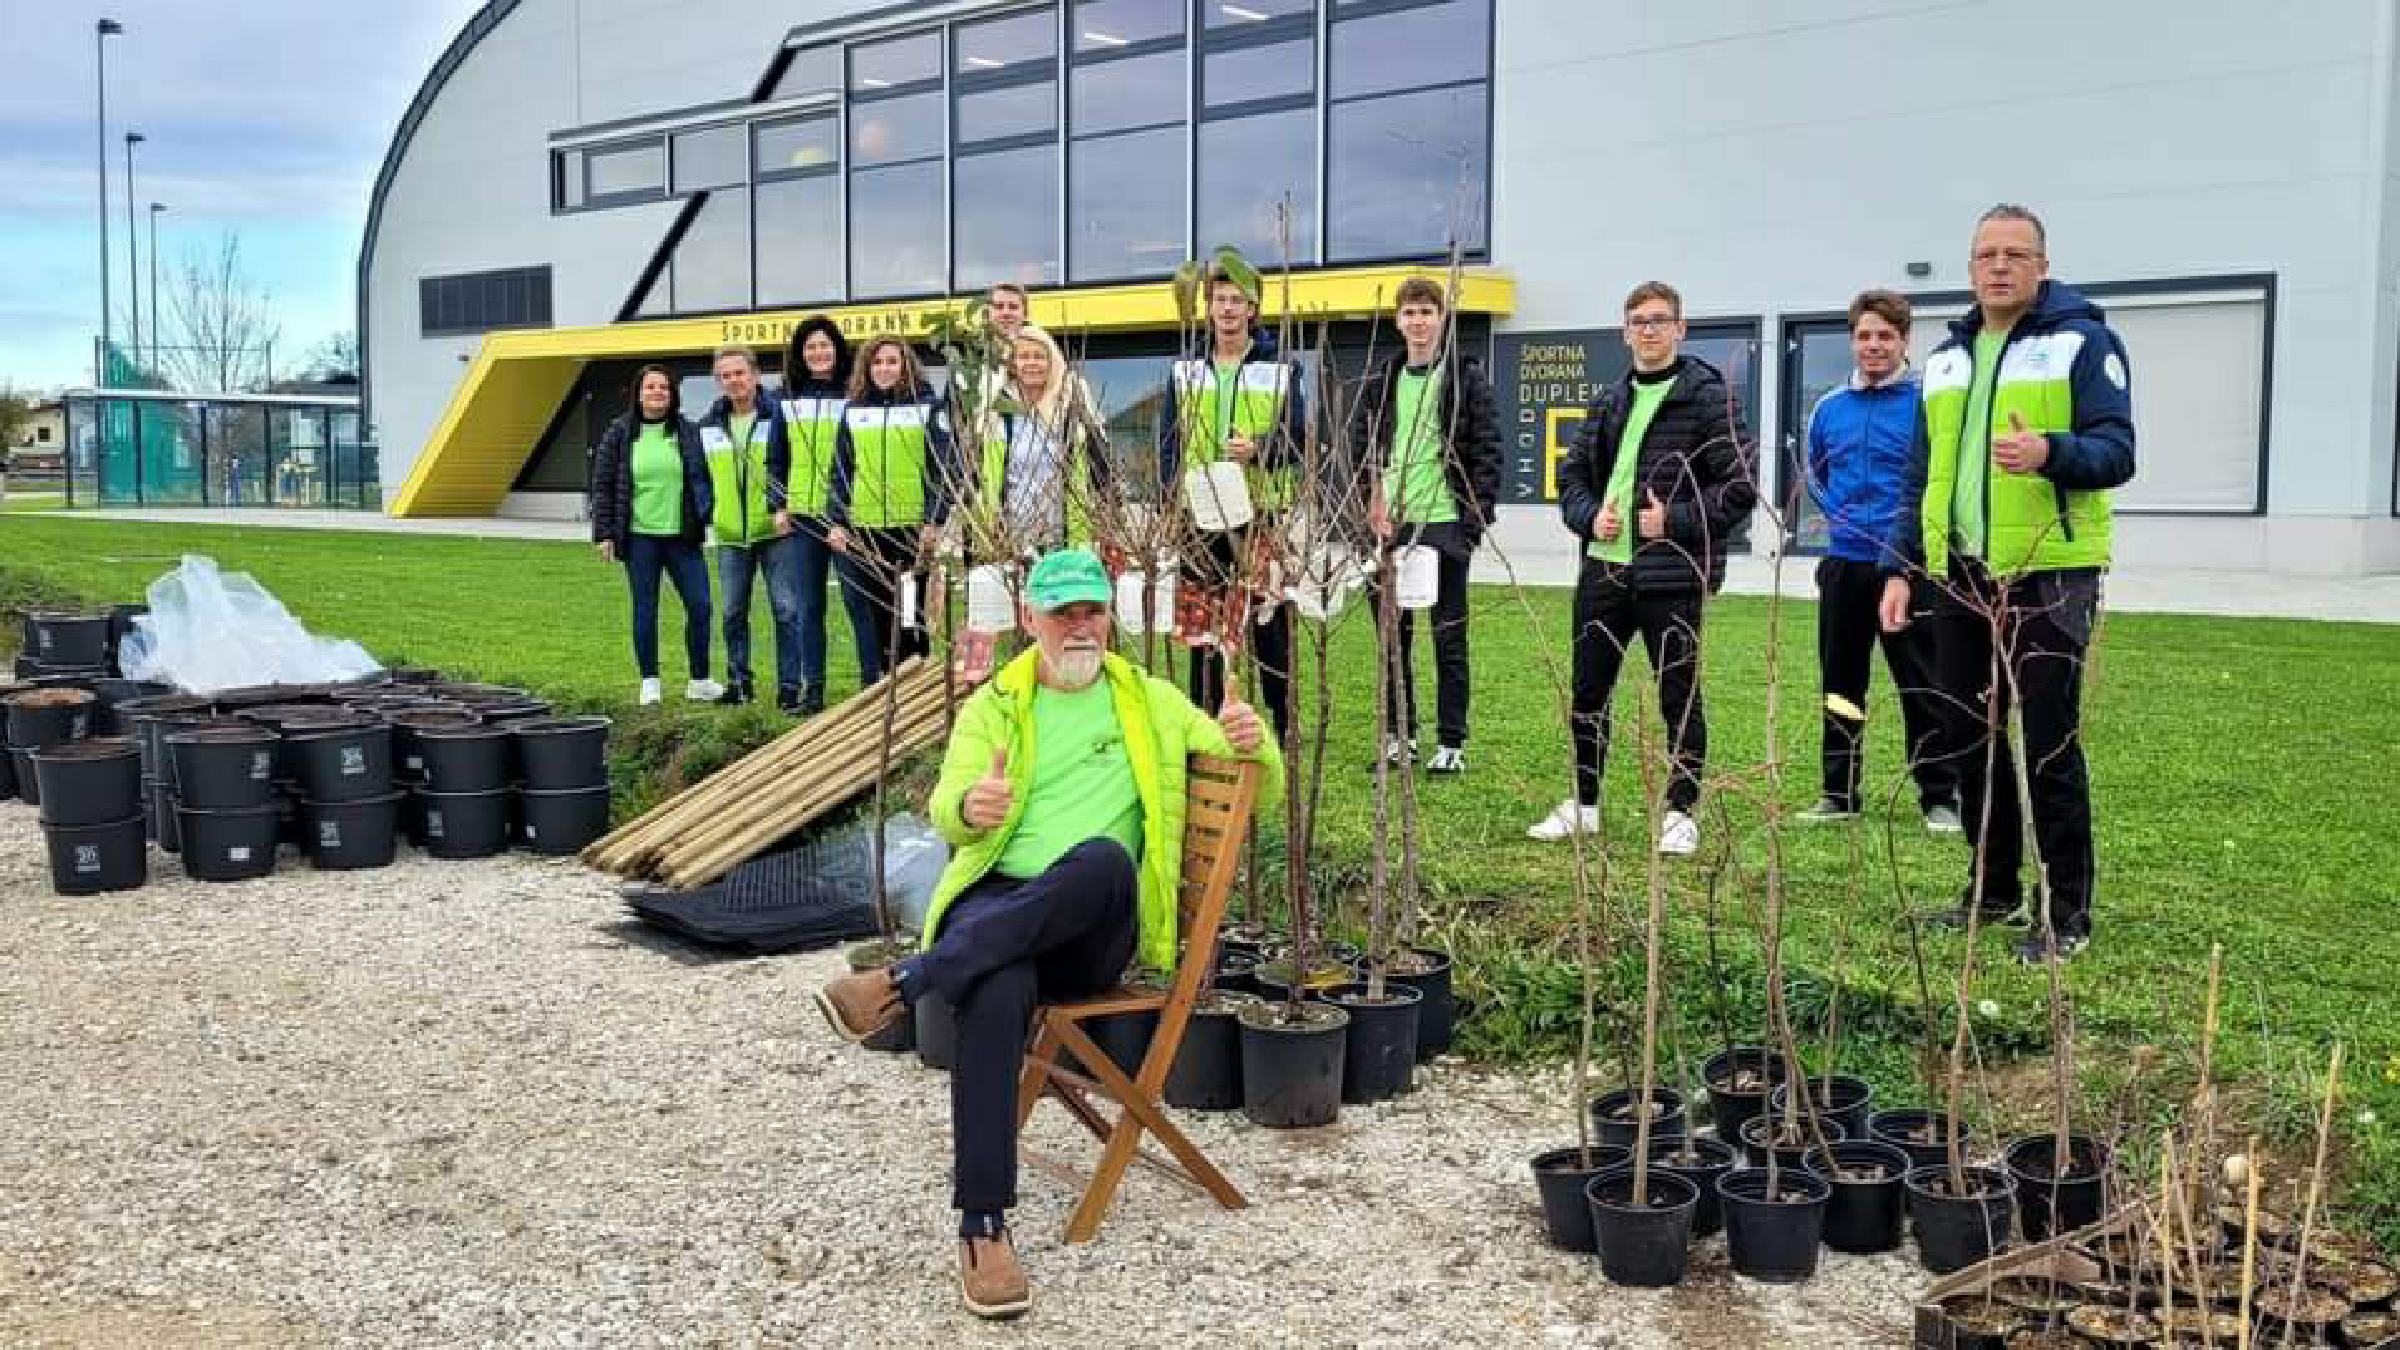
x,y
913,859
1131,587
990,607
209,630
1419,569
1219,495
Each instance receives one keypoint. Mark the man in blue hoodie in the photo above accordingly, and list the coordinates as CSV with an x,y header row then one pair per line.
x,y
1859,436
2027,425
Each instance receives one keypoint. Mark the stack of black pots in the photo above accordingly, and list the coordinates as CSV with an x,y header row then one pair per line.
x,y
69,645
39,718
462,767
89,791
563,764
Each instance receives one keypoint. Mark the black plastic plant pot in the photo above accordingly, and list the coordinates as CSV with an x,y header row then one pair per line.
x,y
8,775
160,804
1237,972
346,836
408,722
223,768
1124,1037
120,627
1766,1134
523,710
1699,1159
1738,1079
348,762
1772,1233
112,693
60,638
39,718
1273,977
1249,938
1954,1229
228,845
936,1031
90,859
1561,1177
457,825
1868,1200
29,783
1840,1098
2048,1203
89,782
1379,1059
1642,1246
1980,1322
562,752
1207,1072
1922,1134
1292,1063
1437,1016
1615,1120
473,758
561,823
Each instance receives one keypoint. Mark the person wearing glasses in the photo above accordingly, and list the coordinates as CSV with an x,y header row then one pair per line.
x,y
2027,425
1657,479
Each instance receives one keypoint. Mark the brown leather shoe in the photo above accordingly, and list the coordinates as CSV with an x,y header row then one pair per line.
x,y
860,1005
989,1278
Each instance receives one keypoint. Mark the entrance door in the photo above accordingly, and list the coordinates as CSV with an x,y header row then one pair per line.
x,y
1816,360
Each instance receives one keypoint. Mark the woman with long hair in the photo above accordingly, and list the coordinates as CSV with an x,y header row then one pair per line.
x,y
816,380
890,494
1044,456
650,506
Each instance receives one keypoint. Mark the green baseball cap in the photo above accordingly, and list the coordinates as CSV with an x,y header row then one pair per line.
x,y
1065,577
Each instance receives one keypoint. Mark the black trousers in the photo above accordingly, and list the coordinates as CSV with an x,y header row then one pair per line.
x,y
1450,673
1609,614
1848,630
870,573
2045,627
1005,946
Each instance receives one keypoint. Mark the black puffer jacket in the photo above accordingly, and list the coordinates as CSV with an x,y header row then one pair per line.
x,y
1470,422
611,503
1696,457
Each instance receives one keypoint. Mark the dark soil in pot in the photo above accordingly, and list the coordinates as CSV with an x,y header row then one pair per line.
x,y
1560,1177
1981,1323
1274,978
1788,1141
1920,1133
1738,1079
1292,1063
90,859
2377,1327
1379,1058
228,845
343,836
1615,1120
2110,1326
1957,1229
1207,1073
1842,1098
2044,1302
2367,1284
2049,1203
1868,1201
473,758
936,1031
461,824
67,638
89,782
1644,1246
223,768
38,718
344,763
2307,1317
1772,1232
562,752
1699,1159
561,823
1429,973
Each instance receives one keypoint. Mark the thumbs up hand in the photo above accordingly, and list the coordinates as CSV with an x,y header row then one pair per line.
x,y
2020,451
988,802
1652,520
1241,724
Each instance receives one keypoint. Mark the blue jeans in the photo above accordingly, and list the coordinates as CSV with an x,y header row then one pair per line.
x,y
810,564
736,565
646,556
871,574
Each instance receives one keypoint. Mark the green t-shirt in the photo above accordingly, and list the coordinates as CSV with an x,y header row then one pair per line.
x,y
1219,413
657,481
1967,524
1621,475
1415,490
739,425
1082,783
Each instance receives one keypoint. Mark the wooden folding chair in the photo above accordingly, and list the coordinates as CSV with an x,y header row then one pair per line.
x,y
1221,793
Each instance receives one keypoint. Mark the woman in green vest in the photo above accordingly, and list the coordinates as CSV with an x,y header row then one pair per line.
x,y
650,507
815,391
1044,457
892,473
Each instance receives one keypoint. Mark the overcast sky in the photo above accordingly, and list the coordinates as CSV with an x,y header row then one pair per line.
x,y
267,117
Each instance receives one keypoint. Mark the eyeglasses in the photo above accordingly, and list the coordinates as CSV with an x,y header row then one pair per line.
x,y
1651,323
2014,257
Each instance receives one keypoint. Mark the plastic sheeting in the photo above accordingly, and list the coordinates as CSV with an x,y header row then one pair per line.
x,y
209,630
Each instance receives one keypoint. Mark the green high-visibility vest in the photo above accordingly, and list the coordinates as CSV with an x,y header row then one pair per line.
x,y
2032,524
888,464
1250,403
810,425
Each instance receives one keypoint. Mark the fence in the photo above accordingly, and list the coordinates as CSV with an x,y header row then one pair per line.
x,y
142,447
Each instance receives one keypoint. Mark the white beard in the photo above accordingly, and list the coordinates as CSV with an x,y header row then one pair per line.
x,y
1073,669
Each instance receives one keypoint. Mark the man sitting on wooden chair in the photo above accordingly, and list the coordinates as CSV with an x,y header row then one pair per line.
x,y
1062,792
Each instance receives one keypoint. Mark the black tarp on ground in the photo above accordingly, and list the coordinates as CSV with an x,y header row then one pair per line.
x,y
812,895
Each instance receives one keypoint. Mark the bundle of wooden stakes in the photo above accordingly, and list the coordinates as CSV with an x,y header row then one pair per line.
x,y
754,803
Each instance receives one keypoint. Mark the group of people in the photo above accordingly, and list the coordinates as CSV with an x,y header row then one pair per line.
x,y
1970,524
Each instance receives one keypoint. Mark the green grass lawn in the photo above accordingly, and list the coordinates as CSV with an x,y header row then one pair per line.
x,y
2241,768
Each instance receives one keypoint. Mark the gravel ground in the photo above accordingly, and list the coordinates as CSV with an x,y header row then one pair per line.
x,y
456,1104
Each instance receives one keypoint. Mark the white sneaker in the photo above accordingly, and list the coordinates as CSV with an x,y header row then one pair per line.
x,y
1678,835
703,691
1568,817
1447,759
650,693
1943,819
1399,753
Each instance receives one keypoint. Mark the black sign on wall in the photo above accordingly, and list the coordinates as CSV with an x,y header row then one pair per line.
x,y
1545,381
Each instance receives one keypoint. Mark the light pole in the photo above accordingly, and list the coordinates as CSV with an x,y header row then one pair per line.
x,y
156,208
101,32
133,242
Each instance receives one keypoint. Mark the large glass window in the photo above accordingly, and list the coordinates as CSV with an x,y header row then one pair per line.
x,y
1004,185
1106,25
1126,205
799,240
1228,14
1386,50
1007,112
1407,175
1248,74
818,70
710,158
712,264
1008,217
999,43
1249,168
900,61
896,130
1121,94
896,231
636,170
796,146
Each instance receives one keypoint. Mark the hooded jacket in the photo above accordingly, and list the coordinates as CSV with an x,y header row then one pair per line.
x,y
1695,458
800,465
610,504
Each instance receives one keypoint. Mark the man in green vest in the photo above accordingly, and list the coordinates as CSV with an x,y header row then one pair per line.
x,y
741,436
2005,518
1062,794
